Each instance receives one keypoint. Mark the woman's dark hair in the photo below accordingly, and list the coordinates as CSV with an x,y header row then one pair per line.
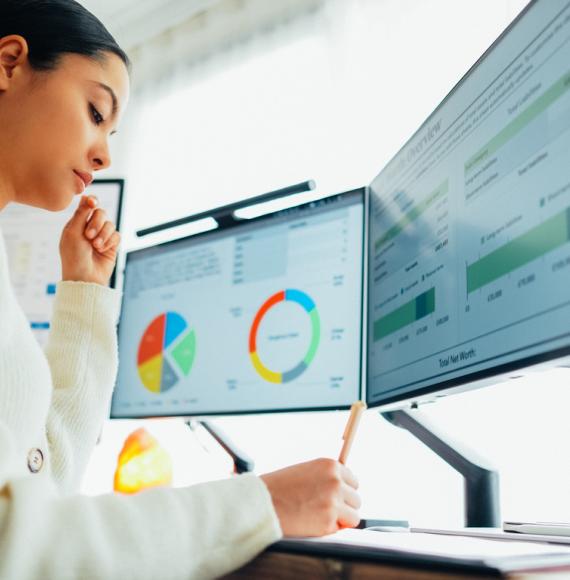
x,y
53,28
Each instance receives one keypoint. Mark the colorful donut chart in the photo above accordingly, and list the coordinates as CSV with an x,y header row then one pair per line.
x,y
303,300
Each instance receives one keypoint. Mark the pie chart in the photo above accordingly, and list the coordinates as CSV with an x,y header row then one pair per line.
x,y
166,352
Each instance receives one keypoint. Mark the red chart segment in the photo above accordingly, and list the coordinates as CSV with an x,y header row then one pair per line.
x,y
269,303
152,342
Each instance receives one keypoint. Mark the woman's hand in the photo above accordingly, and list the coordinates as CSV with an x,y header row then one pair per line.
x,y
314,498
89,245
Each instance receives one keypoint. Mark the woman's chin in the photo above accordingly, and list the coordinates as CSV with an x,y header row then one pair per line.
x,y
60,202
56,203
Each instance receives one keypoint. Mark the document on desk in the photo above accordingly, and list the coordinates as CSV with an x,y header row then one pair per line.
x,y
495,534
431,549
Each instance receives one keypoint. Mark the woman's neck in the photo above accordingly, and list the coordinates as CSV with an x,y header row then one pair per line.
x,y
5,189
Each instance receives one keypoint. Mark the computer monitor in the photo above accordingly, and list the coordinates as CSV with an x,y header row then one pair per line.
x,y
32,244
263,316
469,246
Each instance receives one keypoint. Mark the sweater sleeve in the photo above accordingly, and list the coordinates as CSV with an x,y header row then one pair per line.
x,y
198,532
82,355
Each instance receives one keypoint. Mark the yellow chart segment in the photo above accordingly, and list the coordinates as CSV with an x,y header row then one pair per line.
x,y
150,373
268,375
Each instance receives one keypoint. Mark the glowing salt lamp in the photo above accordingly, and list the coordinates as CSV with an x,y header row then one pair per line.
x,y
142,463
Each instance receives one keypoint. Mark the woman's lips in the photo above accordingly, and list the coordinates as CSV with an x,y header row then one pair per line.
x,y
86,178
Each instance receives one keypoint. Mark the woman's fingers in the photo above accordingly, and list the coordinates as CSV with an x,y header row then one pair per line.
x,y
103,237
95,224
112,243
88,245
348,517
101,232
351,498
348,477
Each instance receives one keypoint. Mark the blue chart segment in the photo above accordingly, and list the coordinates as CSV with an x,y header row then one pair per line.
x,y
175,326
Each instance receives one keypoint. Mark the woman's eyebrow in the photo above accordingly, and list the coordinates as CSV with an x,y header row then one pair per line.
x,y
112,95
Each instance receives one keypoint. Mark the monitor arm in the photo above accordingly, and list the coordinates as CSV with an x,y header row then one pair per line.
x,y
482,507
242,463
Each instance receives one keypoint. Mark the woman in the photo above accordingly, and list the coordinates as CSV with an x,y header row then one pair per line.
x,y
63,87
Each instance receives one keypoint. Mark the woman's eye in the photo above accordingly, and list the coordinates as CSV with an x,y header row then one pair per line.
x,y
97,117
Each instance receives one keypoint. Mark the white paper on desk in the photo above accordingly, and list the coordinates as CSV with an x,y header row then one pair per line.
x,y
495,534
499,554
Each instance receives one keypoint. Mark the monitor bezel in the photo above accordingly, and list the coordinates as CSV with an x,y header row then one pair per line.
x,y
361,194
478,379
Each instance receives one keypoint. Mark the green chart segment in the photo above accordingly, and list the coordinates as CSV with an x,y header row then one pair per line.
x,y
412,215
535,243
410,312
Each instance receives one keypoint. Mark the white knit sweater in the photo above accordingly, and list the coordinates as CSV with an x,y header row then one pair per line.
x,y
56,402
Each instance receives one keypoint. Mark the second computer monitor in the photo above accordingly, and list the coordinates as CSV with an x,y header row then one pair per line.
x,y
264,316
470,225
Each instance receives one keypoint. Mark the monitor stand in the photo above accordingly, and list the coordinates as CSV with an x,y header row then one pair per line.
x,y
482,507
242,463
482,504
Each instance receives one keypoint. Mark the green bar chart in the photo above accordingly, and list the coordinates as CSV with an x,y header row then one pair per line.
x,y
410,312
549,235
539,106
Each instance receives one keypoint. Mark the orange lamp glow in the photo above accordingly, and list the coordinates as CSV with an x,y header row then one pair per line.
x,y
142,464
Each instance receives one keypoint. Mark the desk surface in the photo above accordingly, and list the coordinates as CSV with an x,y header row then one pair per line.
x,y
285,566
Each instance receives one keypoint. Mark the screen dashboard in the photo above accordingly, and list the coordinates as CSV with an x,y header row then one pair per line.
x,y
469,245
263,316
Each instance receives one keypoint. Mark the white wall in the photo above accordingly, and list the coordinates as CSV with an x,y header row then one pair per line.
x,y
332,96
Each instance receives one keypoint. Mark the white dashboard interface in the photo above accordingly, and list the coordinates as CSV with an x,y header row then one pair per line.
x,y
264,316
469,252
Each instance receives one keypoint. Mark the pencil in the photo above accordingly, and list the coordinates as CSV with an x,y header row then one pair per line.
x,y
356,411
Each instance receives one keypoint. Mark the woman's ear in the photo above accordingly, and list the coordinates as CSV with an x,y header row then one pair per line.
x,y
13,53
